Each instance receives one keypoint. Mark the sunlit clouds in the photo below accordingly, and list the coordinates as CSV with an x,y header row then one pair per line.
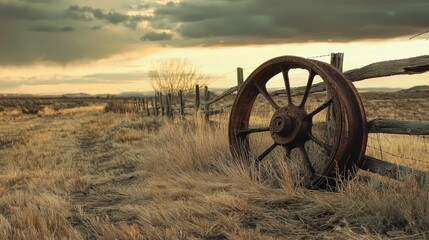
x,y
108,46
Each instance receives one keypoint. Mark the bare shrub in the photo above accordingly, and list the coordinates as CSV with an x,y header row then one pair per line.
x,y
31,109
174,75
118,107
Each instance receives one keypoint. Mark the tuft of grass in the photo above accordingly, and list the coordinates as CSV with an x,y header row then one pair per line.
x,y
191,146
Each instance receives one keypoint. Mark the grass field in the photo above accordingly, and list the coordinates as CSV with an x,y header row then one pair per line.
x,y
82,173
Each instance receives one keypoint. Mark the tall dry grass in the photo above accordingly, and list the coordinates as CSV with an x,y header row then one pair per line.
x,y
97,175
374,208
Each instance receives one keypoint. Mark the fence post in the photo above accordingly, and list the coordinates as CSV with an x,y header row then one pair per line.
x,y
156,105
337,60
206,105
197,98
240,77
169,107
182,103
147,107
162,103
143,105
152,106
167,112
133,104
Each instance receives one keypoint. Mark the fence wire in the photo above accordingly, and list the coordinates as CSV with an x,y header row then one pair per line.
x,y
320,56
381,151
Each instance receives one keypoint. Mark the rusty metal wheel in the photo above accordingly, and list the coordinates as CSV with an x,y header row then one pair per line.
x,y
316,148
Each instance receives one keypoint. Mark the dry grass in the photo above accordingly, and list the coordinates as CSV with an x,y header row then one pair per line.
x,y
86,173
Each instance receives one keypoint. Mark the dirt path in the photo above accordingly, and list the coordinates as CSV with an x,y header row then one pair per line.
x,y
71,157
102,161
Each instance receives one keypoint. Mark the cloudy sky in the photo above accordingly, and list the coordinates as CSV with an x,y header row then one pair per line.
x,y
107,46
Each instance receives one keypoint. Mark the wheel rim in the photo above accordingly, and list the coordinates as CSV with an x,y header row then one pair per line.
x,y
292,128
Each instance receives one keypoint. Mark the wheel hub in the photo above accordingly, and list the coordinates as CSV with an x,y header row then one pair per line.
x,y
289,127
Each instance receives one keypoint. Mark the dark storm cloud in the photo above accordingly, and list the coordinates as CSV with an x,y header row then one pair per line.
x,y
154,36
95,28
30,47
12,11
42,31
64,31
37,1
144,6
47,28
257,21
90,14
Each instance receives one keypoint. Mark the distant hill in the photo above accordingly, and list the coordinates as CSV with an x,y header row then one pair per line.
x,y
215,91
133,94
15,95
379,89
422,88
76,95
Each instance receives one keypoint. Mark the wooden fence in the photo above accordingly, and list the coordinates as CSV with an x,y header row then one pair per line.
x,y
181,105
168,105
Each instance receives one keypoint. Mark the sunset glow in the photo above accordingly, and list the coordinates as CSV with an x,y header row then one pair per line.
x,y
73,46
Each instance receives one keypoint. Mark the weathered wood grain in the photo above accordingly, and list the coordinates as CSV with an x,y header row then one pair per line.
x,y
415,65
395,171
398,127
197,98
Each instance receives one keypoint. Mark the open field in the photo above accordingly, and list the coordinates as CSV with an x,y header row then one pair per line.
x,y
82,173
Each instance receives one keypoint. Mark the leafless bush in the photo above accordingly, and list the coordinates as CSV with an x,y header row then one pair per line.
x,y
118,107
174,75
31,109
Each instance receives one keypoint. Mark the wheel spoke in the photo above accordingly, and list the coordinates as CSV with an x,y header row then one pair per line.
x,y
263,91
265,153
306,159
308,88
245,132
319,109
319,142
287,85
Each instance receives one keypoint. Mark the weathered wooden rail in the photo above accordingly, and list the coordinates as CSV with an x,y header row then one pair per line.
x,y
168,105
398,127
409,66
397,171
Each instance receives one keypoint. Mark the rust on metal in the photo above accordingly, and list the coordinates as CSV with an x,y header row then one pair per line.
x,y
292,127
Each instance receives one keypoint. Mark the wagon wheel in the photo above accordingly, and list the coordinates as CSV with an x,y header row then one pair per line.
x,y
318,150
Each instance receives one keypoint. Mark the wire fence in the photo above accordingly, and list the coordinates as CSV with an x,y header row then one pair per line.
x,y
381,150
